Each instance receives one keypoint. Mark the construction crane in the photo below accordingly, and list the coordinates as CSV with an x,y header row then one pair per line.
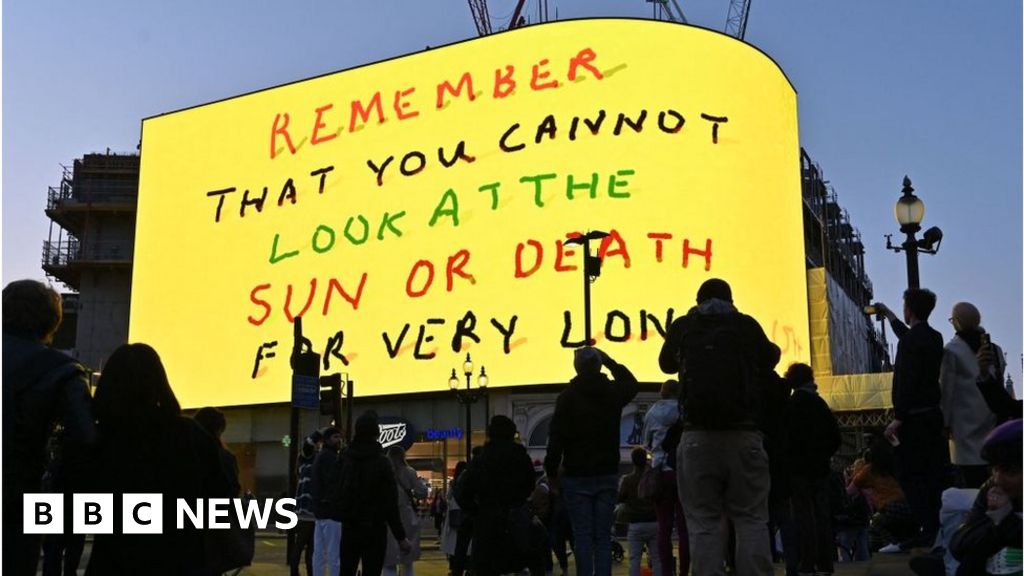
x,y
482,18
672,12
736,21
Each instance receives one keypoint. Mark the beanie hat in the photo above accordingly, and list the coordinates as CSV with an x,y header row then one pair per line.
x,y
501,428
1003,444
587,361
367,425
714,288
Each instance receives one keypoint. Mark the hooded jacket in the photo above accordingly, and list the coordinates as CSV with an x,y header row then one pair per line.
x,y
365,465
584,436
661,416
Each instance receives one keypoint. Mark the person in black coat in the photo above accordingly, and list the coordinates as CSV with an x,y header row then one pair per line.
x,y
584,440
367,501
146,446
923,466
495,489
813,439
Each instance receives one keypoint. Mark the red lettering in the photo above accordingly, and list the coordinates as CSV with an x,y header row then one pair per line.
x,y
560,253
504,85
259,302
658,237
466,82
606,249
456,263
335,286
706,253
283,131
538,75
309,300
401,105
538,251
363,113
412,275
584,58
316,138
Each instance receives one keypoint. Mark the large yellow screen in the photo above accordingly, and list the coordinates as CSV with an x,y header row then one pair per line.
x,y
415,210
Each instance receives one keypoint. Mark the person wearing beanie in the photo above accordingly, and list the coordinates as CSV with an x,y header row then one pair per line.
x,y
368,501
327,533
584,441
723,359
989,541
968,418
494,490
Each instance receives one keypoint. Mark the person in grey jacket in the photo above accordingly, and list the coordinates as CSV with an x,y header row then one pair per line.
x,y
659,420
968,418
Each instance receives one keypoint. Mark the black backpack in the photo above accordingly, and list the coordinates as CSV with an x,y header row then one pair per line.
x,y
718,384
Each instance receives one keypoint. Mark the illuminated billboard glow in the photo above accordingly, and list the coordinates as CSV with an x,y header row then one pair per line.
x,y
416,209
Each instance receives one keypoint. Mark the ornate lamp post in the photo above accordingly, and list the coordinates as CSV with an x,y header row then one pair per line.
x,y
909,214
469,396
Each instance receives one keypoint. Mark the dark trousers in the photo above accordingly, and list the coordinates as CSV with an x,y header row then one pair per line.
x,y
463,535
21,551
780,514
813,518
924,471
973,476
363,544
304,532
62,554
670,513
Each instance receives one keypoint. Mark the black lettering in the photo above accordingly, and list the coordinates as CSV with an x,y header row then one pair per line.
x,y
422,339
565,333
504,138
220,200
288,192
637,125
322,173
261,353
506,333
42,511
334,344
680,121
460,154
92,514
379,171
465,329
135,514
257,202
610,323
405,160
548,126
393,349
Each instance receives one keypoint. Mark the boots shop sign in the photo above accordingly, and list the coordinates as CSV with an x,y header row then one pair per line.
x,y
396,431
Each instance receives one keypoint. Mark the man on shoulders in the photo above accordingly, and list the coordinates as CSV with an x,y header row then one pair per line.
x,y
922,451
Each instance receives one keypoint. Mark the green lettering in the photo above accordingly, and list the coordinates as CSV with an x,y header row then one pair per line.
x,y
613,184
453,212
538,185
274,258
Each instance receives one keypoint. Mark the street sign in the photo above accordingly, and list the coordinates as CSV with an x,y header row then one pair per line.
x,y
305,392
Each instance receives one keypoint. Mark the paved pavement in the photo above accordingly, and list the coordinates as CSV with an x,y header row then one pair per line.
x,y
270,561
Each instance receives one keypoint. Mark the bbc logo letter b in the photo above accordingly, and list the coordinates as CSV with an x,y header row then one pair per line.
x,y
43,514
93,514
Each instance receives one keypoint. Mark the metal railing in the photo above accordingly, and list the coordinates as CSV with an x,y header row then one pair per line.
x,y
65,252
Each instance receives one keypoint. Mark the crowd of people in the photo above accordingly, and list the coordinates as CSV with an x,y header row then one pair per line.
x,y
741,463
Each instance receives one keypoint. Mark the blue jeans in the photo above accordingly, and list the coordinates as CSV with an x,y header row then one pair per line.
x,y
590,501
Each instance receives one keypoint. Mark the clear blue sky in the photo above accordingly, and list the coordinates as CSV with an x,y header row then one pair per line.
x,y
927,88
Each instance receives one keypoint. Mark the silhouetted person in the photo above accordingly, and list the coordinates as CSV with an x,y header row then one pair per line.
x,y
722,357
496,487
662,418
327,538
584,440
968,418
409,489
41,387
639,514
146,446
989,541
922,450
813,439
367,501
306,528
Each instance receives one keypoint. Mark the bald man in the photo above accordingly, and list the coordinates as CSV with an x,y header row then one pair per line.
x,y
967,416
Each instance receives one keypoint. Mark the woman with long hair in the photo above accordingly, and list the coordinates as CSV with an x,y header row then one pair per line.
x,y
146,446
410,487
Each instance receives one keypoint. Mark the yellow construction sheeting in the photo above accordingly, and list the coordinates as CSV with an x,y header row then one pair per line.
x,y
857,391
817,307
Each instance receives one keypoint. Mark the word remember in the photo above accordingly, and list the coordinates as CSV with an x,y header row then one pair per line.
x,y
144,514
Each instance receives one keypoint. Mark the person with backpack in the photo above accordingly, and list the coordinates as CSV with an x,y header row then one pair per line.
x,y
640,515
814,437
585,439
662,430
327,537
722,357
41,386
365,498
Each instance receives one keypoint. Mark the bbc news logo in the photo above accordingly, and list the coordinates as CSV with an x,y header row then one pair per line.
x,y
144,514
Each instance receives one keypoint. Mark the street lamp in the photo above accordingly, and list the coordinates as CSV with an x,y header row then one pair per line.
x,y
909,214
591,270
468,397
